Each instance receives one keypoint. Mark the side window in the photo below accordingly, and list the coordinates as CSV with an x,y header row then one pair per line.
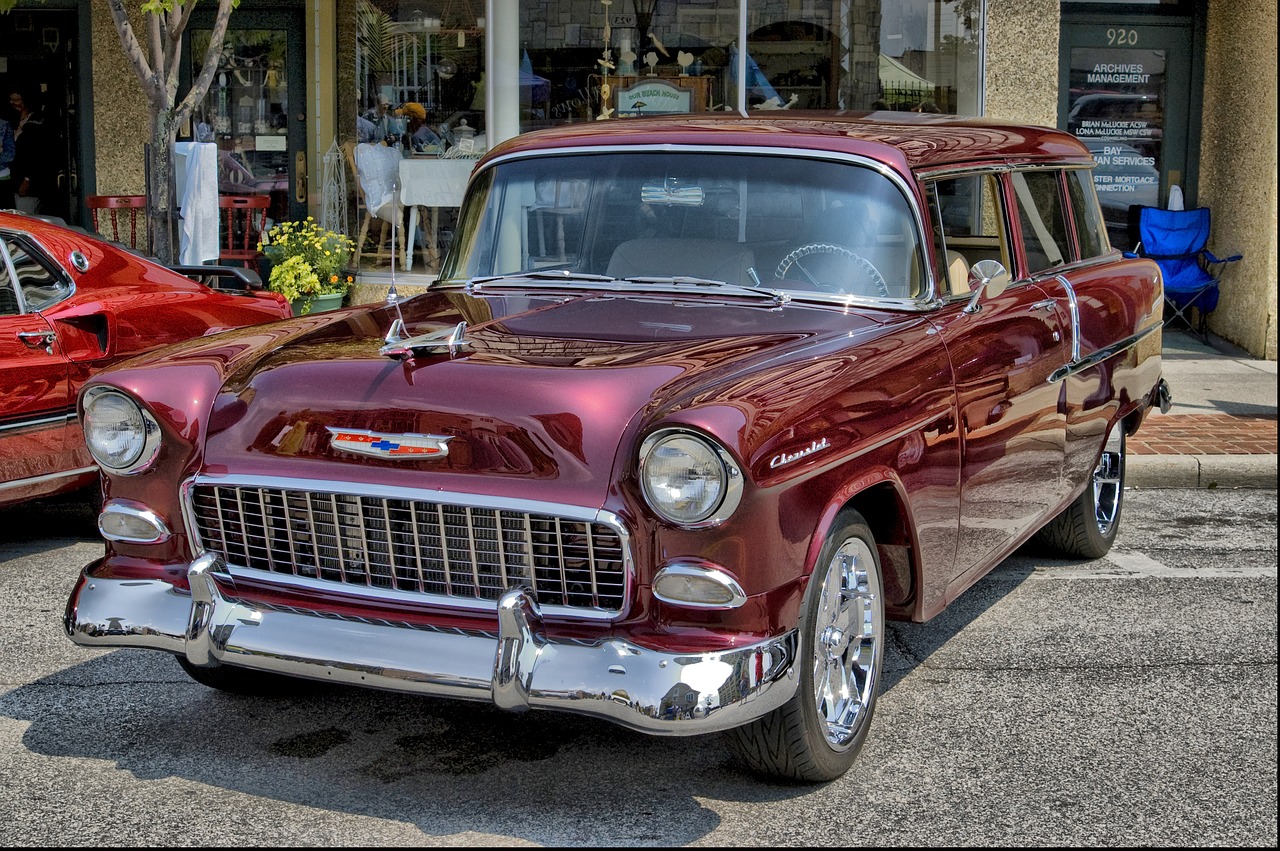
x,y
41,286
1042,219
8,295
967,220
1090,226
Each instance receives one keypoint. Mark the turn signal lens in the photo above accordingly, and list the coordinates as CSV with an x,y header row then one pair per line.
x,y
697,586
131,524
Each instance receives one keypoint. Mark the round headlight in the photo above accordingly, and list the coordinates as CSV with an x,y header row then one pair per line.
x,y
121,436
687,479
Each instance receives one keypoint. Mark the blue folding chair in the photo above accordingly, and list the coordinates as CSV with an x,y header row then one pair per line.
x,y
1176,240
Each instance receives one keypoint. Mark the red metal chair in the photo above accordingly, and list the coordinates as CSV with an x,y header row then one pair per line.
x,y
243,221
123,214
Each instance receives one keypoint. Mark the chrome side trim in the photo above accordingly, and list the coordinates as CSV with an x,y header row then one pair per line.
x,y
1073,305
54,419
36,480
652,691
1102,354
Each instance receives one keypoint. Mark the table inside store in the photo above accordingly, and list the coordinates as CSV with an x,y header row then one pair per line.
x,y
432,182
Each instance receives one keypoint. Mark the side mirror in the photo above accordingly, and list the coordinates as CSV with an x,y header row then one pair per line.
x,y
989,278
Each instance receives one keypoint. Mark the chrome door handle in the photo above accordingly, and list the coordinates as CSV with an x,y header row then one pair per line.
x,y
1047,304
38,339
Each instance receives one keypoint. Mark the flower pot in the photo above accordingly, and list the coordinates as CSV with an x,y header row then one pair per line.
x,y
319,303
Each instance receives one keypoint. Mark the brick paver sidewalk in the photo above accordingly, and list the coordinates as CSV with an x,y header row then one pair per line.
x,y
1205,434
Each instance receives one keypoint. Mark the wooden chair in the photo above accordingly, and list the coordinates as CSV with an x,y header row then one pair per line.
x,y
382,246
243,220
122,215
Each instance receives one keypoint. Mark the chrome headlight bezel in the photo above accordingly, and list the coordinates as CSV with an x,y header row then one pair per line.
x,y
729,471
149,436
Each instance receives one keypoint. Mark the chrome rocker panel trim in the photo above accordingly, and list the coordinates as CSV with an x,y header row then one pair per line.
x,y
650,691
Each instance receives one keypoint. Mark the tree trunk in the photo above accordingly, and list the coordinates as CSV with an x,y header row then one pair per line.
x,y
162,206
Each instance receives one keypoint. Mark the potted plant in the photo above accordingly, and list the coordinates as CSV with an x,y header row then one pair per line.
x,y
308,265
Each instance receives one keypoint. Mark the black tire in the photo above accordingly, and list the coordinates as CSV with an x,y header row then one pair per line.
x,y
245,681
800,741
1087,527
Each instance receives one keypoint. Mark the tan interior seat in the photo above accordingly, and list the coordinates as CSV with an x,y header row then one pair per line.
x,y
957,273
717,260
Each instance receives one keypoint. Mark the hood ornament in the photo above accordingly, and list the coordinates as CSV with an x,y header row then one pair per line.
x,y
399,447
449,340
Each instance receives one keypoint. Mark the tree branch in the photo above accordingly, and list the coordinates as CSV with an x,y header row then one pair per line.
x,y
132,49
200,85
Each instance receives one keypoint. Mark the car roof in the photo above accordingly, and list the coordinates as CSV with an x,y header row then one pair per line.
x,y
904,140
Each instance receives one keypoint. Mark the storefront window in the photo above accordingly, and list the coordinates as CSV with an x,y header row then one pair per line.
x,y
634,57
623,58
419,70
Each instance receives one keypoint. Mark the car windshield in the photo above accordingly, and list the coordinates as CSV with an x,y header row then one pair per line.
x,y
793,224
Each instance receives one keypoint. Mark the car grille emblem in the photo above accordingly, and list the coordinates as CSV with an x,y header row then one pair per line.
x,y
396,446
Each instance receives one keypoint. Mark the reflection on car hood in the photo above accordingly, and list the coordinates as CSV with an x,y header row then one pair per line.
x,y
542,392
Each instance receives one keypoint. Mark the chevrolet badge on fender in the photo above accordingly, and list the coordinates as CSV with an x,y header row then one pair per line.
x,y
787,457
398,446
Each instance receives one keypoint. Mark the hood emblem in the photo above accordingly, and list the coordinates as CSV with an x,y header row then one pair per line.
x,y
396,446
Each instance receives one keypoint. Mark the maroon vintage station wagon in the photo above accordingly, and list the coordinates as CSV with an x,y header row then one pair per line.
x,y
693,408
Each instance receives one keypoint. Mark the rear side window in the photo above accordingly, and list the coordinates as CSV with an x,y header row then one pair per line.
x,y
1090,227
41,286
1042,219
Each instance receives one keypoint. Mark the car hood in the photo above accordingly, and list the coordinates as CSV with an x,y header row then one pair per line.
x,y
543,395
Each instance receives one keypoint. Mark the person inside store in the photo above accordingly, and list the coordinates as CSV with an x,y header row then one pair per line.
x,y
418,136
6,159
386,126
30,174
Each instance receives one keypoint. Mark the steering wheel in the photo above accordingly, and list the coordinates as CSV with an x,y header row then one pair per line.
x,y
862,268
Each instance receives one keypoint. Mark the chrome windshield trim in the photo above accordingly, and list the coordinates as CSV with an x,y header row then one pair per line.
x,y
572,512
1103,354
928,297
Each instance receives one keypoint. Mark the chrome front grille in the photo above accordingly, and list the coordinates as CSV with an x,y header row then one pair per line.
x,y
458,553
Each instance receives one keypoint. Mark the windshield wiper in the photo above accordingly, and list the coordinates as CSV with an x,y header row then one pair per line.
x,y
683,281
545,275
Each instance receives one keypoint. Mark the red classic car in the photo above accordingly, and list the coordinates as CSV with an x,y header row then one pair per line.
x,y
71,304
694,406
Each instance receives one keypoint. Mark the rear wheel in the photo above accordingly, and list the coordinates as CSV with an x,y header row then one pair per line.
x,y
817,734
1087,527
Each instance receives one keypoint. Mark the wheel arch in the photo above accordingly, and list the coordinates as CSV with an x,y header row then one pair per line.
x,y
883,504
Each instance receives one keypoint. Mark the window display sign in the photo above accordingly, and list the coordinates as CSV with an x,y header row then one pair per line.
x,y
1116,107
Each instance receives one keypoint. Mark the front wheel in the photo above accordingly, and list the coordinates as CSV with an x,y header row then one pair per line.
x,y
817,734
1087,527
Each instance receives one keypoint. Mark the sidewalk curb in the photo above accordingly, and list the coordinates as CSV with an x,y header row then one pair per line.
x,y
1200,471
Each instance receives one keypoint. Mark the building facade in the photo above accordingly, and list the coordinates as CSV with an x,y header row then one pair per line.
x,y
1167,93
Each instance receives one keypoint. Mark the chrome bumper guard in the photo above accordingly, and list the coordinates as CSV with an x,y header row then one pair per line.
x,y
647,690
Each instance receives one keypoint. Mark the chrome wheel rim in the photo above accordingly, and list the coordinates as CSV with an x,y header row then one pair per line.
x,y
847,642
1107,482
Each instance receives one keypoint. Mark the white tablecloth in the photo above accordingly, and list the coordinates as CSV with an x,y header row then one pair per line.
x,y
433,182
430,182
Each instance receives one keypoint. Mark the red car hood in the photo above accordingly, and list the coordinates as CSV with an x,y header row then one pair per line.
x,y
548,392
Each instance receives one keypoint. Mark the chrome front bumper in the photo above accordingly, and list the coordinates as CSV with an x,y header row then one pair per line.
x,y
516,669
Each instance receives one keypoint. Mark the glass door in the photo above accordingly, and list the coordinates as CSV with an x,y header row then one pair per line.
x,y
1126,92
254,109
